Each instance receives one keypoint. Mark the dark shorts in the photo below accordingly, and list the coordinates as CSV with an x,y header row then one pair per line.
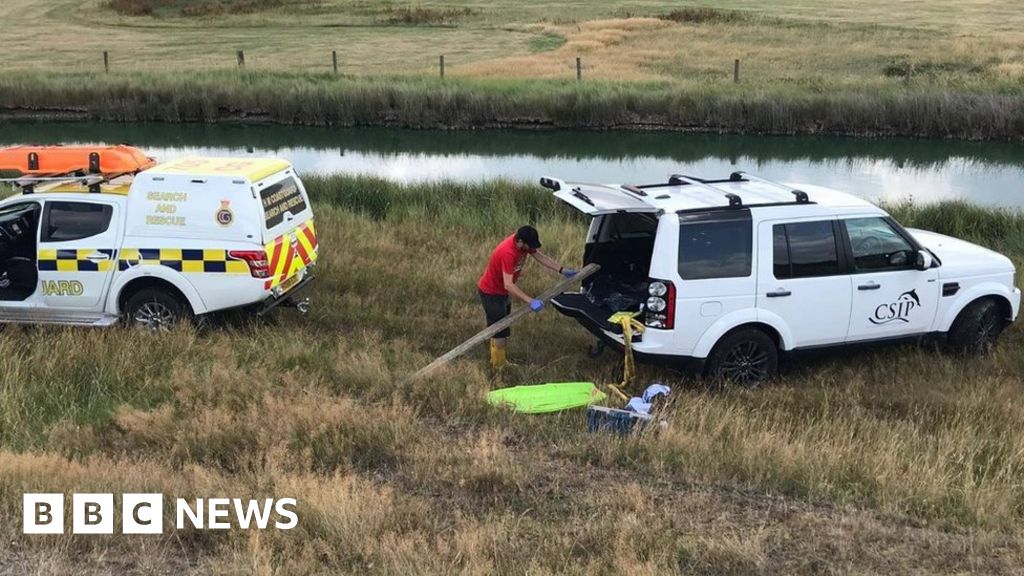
x,y
496,308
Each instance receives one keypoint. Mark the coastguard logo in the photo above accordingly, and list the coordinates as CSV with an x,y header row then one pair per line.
x,y
898,311
225,216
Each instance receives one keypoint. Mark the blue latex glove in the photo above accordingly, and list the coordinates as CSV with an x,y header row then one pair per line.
x,y
569,272
536,305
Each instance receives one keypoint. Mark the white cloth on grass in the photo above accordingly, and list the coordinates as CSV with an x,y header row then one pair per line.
x,y
642,404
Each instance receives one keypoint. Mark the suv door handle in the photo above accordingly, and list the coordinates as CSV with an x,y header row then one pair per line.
x,y
869,286
778,293
97,256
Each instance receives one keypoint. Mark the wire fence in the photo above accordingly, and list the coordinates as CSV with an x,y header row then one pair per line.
x,y
336,64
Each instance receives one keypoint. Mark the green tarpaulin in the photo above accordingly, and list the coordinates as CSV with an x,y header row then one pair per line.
x,y
543,398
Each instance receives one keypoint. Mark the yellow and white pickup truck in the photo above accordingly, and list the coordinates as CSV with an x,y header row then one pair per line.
x,y
100,234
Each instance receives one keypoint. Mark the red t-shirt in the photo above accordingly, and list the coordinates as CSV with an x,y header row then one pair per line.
x,y
506,259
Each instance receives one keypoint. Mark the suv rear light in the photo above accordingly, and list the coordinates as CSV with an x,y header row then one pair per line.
x,y
660,308
259,266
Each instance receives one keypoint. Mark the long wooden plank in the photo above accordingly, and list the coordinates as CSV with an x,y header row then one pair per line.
x,y
518,314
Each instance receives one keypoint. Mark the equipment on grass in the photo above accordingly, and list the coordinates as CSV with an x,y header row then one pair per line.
x,y
544,398
612,419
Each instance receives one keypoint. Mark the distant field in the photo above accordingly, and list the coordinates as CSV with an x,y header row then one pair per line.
x,y
790,41
937,69
892,460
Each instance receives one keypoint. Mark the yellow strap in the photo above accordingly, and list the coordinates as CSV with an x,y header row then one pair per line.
x,y
630,326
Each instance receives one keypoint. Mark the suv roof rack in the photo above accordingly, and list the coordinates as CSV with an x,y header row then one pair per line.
x,y
679,179
801,196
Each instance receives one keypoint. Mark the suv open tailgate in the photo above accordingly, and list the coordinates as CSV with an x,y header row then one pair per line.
x,y
596,199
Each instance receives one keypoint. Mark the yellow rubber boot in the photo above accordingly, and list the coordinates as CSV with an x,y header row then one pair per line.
x,y
498,359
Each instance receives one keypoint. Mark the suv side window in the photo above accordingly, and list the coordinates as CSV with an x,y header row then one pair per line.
x,y
715,245
805,250
65,221
877,246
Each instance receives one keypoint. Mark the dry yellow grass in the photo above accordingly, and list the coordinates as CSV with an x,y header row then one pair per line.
x,y
893,460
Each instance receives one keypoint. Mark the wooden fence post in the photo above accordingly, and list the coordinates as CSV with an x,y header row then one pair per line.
x,y
736,70
106,61
241,59
334,60
579,68
441,65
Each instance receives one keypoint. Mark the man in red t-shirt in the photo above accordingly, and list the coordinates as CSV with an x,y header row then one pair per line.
x,y
499,280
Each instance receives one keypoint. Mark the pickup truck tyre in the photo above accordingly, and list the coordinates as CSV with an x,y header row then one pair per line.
x,y
746,356
977,327
156,310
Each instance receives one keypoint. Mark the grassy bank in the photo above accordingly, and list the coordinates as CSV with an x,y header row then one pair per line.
x,y
305,99
888,460
941,69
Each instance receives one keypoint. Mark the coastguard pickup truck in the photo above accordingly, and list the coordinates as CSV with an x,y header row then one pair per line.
x,y
96,235
728,274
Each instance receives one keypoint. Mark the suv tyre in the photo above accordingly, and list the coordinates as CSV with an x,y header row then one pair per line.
x,y
977,327
746,356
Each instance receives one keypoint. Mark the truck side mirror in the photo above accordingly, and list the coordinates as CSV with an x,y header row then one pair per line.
x,y
923,260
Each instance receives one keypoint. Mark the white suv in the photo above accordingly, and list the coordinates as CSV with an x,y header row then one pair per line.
x,y
731,272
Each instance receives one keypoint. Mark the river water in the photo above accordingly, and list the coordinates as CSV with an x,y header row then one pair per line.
x,y
890,169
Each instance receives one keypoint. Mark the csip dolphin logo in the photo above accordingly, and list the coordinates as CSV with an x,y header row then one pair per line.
x,y
898,311
144,514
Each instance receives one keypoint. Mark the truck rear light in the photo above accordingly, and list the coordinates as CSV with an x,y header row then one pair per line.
x,y
660,311
259,266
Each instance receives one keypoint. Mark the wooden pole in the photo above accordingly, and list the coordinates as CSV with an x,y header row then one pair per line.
x,y
736,70
441,65
334,60
241,59
579,68
106,61
516,315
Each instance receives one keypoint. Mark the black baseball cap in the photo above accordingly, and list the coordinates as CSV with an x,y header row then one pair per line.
x,y
528,234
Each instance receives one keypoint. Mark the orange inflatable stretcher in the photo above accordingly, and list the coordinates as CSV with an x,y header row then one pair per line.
x,y
106,160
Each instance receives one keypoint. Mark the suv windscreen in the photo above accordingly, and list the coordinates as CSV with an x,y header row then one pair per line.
x,y
877,246
805,250
66,221
715,245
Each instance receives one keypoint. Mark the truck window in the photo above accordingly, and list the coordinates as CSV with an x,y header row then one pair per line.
x,y
877,246
715,245
805,250
66,221
279,198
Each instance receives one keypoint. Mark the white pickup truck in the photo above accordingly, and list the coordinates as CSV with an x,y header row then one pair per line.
x,y
90,245
732,272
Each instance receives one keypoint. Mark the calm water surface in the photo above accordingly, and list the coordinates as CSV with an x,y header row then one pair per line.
x,y
986,173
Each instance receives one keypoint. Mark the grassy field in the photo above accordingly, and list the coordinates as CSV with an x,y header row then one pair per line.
x,y
937,68
890,460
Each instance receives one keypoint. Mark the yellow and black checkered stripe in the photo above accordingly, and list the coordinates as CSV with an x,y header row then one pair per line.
x,y
183,260
75,260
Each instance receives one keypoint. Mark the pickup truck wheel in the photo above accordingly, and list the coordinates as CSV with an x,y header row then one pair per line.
x,y
747,357
977,327
156,310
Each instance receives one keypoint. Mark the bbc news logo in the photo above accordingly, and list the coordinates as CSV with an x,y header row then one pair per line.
x,y
144,514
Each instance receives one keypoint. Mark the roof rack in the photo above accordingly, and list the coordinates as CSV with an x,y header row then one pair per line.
x,y
801,196
678,179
